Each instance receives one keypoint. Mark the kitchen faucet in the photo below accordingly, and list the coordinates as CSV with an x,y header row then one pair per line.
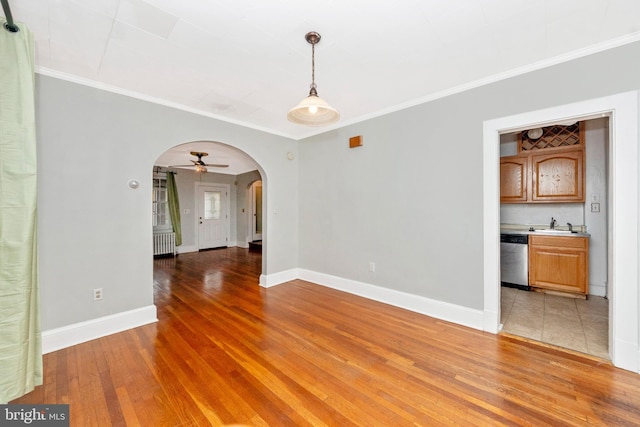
x,y
570,227
553,223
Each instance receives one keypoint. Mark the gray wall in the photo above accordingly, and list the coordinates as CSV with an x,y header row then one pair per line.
x,y
94,231
410,199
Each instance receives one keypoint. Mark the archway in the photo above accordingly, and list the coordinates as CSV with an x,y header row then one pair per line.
x,y
226,172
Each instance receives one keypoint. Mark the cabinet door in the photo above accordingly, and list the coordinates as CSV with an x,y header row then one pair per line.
x,y
513,179
559,264
558,177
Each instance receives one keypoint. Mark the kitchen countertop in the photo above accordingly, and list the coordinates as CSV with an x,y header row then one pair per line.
x,y
539,230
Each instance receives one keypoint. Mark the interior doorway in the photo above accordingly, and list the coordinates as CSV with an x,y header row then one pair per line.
x,y
256,211
623,253
572,321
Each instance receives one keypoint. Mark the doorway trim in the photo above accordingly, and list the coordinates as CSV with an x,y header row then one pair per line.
x,y
624,306
253,236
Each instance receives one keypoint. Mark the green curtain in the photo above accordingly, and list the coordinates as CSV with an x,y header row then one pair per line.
x,y
20,339
174,206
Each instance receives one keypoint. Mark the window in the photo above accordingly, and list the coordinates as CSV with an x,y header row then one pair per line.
x,y
160,206
212,204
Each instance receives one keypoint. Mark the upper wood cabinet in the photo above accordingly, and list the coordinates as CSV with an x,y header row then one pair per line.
x,y
558,177
513,179
548,169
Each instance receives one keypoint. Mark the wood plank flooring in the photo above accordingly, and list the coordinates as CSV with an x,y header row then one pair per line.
x,y
226,351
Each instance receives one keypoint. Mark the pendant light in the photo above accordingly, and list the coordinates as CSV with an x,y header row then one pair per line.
x,y
313,110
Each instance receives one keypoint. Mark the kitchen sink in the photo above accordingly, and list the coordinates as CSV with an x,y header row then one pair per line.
x,y
549,231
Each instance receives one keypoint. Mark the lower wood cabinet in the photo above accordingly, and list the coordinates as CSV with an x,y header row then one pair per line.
x,y
559,263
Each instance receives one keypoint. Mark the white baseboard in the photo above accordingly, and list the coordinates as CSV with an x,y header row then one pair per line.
x,y
268,280
433,308
598,289
67,336
187,249
626,355
490,319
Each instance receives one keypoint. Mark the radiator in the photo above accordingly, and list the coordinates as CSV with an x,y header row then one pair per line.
x,y
164,243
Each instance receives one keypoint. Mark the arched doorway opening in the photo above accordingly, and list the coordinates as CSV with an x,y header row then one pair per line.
x,y
210,180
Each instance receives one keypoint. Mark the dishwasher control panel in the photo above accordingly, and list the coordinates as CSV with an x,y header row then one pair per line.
x,y
522,239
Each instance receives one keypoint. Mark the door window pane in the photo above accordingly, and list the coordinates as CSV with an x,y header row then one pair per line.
x,y
212,204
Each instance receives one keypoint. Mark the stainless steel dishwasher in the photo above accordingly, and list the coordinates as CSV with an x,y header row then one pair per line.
x,y
514,260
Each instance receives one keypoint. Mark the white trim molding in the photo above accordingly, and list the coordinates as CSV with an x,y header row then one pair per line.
x,y
440,310
77,333
269,280
598,289
187,249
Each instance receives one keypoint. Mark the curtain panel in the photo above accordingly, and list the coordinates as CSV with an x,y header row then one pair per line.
x,y
20,339
174,206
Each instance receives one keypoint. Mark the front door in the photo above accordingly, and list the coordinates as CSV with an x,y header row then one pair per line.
x,y
212,216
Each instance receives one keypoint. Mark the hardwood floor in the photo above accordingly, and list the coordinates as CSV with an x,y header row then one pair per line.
x,y
226,351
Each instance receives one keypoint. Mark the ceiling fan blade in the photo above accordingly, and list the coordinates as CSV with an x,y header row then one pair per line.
x,y
217,166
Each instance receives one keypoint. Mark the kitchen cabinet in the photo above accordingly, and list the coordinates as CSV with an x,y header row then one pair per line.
x,y
544,176
549,166
558,177
513,179
559,263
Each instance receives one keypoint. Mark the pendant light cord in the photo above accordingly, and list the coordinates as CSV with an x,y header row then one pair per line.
x,y
313,64
313,91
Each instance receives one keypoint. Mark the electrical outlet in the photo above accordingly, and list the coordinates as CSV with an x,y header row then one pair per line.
x,y
595,207
97,294
372,267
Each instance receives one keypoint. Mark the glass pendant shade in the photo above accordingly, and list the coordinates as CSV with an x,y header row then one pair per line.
x,y
313,111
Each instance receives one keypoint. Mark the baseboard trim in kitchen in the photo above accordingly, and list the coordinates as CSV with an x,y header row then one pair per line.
x,y
599,290
441,310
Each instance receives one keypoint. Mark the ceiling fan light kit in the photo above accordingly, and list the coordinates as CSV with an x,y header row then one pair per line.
x,y
313,110
199,164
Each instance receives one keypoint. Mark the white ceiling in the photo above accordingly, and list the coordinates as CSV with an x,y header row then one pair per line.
x,y
247,61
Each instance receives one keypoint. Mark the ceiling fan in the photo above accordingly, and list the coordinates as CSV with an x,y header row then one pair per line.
x,y
200,165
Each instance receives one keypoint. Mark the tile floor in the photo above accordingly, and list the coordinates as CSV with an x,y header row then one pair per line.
x,y
576,324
